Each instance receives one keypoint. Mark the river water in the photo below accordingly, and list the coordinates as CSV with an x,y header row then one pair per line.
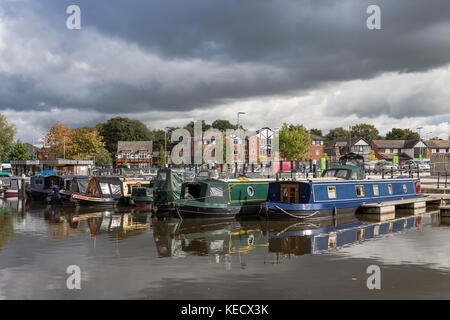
x,y
125,253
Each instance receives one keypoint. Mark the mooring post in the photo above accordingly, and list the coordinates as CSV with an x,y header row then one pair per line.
x,y
292,168
439,175
418,174
392,172
446,175
314,171
382,173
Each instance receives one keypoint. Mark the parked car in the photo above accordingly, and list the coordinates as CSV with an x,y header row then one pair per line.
x,y
385,165
369,165
414,163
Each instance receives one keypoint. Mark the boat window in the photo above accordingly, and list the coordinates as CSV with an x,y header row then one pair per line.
x,y
405,189
332,192
250,191
359,191
105,188
216,192
286,192
289,193
376,190
354,175
390,188
38,181
116,190
341,174
193,191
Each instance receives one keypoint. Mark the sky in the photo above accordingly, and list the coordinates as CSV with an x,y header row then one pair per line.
x,y
167,63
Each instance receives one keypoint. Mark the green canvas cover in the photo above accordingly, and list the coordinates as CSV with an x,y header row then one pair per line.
x,y
168,185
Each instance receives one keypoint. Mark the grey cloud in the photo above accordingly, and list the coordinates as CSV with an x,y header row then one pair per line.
x,y
212,52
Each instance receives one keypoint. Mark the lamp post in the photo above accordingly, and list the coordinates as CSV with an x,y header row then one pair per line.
x,y
239,131
165,144
420,139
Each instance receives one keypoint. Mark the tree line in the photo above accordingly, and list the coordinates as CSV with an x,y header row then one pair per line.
x,y
100,141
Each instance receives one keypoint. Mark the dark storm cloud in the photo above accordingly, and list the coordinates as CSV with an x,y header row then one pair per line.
x,y
257,47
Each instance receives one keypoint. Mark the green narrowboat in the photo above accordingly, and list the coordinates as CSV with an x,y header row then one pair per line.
x,y
168,187
142,196
222,197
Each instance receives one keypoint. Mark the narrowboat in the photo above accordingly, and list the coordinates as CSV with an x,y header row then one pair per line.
x,y
129,184
101,191
142,196
340,190
73,184
222,198
168,187
45,187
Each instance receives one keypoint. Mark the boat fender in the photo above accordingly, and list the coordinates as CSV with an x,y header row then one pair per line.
x,y
334,211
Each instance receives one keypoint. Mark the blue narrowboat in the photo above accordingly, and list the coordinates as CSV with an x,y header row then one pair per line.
x,y
45,187
340,190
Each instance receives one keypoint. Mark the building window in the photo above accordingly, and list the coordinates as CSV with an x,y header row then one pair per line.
x,y
236,141
433,150
376,190
395,151
331,192
317,152
359,191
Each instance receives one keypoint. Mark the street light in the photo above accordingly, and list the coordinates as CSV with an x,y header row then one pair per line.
x,y
238,114
165,143
420,139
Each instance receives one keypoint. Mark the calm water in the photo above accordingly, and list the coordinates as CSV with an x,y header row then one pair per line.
x,y
126,253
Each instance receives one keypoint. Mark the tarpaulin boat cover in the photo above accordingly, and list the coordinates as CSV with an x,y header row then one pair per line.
x,y
168,184
79,184
109,186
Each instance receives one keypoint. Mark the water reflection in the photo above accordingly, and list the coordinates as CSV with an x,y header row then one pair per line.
x,y
176,238
45,239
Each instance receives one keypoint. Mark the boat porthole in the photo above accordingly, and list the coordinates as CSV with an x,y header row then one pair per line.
x,y
250,191
251,240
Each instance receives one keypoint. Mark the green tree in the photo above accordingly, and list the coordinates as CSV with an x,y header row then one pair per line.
x,y
366,131
162,160
19,151
402,134
317,132
294,142
223,125
103,158
158,137
336,134
7,133
85,143
125,160
122,129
